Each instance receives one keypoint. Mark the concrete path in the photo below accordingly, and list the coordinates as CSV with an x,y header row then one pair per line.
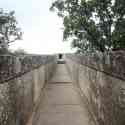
x,y
61,75
61,104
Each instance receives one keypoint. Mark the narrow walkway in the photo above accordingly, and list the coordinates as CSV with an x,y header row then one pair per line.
x,y
61,104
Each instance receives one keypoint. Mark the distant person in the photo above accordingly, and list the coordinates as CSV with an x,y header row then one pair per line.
x,y
60,56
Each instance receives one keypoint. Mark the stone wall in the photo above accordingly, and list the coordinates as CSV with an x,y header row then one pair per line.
x,y
22,79
100,79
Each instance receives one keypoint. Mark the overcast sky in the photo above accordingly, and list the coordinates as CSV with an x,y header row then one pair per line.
x,y
42,28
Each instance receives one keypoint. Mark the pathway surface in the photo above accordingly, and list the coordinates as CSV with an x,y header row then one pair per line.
x,y
61,104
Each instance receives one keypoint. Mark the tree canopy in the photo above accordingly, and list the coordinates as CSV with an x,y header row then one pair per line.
x,y
20,51
93,25
9,31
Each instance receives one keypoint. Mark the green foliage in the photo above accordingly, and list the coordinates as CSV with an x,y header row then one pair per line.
x,y
9,32
93,25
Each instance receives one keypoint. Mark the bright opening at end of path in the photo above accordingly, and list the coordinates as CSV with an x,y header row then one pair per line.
x,y
42,28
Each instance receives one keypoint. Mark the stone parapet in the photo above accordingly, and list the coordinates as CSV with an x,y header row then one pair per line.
x,y
22,80
14,66
100,79
112,63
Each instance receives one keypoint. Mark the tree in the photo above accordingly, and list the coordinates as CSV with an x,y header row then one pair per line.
x,y
9,31
20,52
93,25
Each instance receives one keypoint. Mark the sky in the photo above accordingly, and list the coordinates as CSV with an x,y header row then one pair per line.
x,y
42,28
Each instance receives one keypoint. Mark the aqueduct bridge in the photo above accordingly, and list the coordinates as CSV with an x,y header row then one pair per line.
x,y
75,90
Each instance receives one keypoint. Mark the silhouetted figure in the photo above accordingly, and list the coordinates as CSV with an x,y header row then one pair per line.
x,y
60,56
